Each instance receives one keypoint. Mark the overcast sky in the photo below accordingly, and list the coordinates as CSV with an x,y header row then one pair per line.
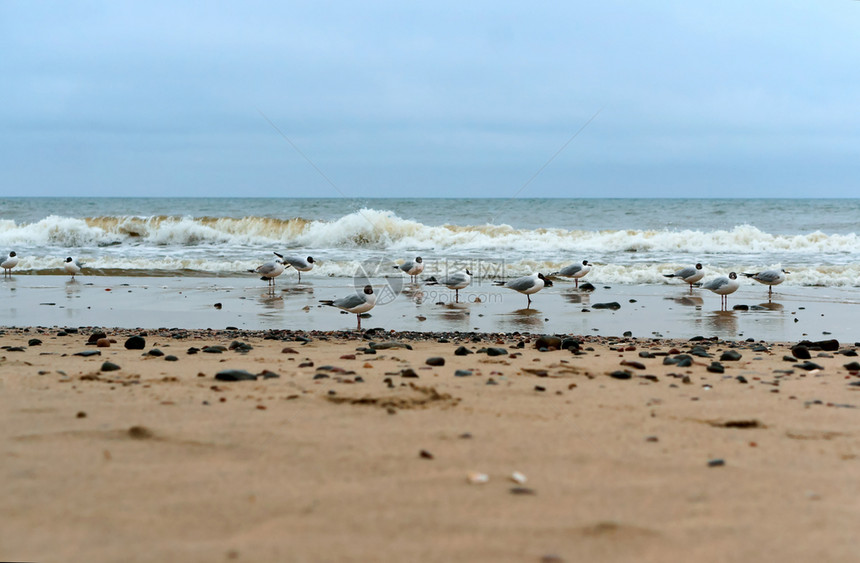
x,y
444,99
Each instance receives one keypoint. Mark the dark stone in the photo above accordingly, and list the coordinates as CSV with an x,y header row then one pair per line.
x,y
570,344
620,374
87,353
613,305
853,366
193,350
109,366
646,354
716,367
801,352
540,388
155,352
741,307
135,343
586,287
240,346
700,352
462,351
390,345
635,365
171,358
497,352
435,361
716,463
214,349
808,366
628,333
463,373
408,372
95,337
34,342
742,379
235,375
681,360
730,356
831,345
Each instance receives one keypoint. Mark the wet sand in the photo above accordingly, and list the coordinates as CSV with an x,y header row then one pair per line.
x,y
668,310
354,459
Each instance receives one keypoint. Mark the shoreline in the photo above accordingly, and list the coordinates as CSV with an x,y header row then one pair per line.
x,y
670,311
601,451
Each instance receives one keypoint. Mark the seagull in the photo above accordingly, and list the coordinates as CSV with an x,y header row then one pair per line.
x,y
297,262
574,271
770,278
412,267
456,281
723,286
73,266
357,303
9,263
270,270
690,274
527,284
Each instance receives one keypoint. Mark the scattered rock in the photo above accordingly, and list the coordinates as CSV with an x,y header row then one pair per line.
x,y
235,375
34,342
435,361
424,454
408,372
716,367
631,364
87,353
621,374
171,358
716,462
95,337
548,343
730,356
463,373
497,352
852,366
613,305
808,366
109,366
462,351
155,352
103,343
801,352
135,343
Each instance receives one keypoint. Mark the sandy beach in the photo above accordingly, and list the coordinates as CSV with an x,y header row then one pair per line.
x,y
350,447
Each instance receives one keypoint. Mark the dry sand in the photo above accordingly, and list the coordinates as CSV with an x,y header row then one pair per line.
x,y
159,461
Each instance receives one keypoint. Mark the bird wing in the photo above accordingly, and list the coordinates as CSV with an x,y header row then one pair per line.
x,y
521,284
349,302
570,270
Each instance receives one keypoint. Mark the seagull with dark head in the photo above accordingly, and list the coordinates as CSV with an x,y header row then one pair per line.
x,y
357,303
723,286
298,263
690,275
9,263
574,271
769,278
455,281
412,267
527,285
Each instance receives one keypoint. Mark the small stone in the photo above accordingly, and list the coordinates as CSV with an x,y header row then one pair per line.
x,y
462,351
81,414
497,352
801,352
631,364
109,366
289,350
716,462
730,356
408,372
716,367
621,374
435,361
34,342
522,491
135,343
424,454
463,373
103,343
808,366
87,353
613,305
235,375
155,352
852,366
171,358
95,337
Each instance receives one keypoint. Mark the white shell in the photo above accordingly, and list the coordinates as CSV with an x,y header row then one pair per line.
x,y
518,477
475,478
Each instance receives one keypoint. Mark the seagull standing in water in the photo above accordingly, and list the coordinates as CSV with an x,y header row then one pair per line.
x,y
691,275
412,268
9,263
455,281
300,264
357,303
73,266
527,285
769,278
723,286
269,271
574,271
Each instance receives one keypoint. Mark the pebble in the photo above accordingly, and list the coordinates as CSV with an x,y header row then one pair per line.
x,y
435,361
621,374
716,367
87,353
462,351
730,356
497,352
424,454
613,305
109,366
801,352
548,343
103,343
630,364
155,352
808,366
408,372
171,358
135,343
34,342
95,337
463,373
235,375
476,478
716,462
852,366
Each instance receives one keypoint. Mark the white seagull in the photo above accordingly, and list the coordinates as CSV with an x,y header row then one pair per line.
x,y
455,281
357,303
269,271
769,278
9,263
527,285
73,266
300,264
723,286
690,274
412,268
574,271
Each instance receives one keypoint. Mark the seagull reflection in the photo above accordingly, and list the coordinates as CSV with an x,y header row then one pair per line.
x,y
689,300
576,297
414,293
270,301
770,305
523,318
73,287
299,289
454,311
724,322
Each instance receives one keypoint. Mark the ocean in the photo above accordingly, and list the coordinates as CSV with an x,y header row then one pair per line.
x,y
630,241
